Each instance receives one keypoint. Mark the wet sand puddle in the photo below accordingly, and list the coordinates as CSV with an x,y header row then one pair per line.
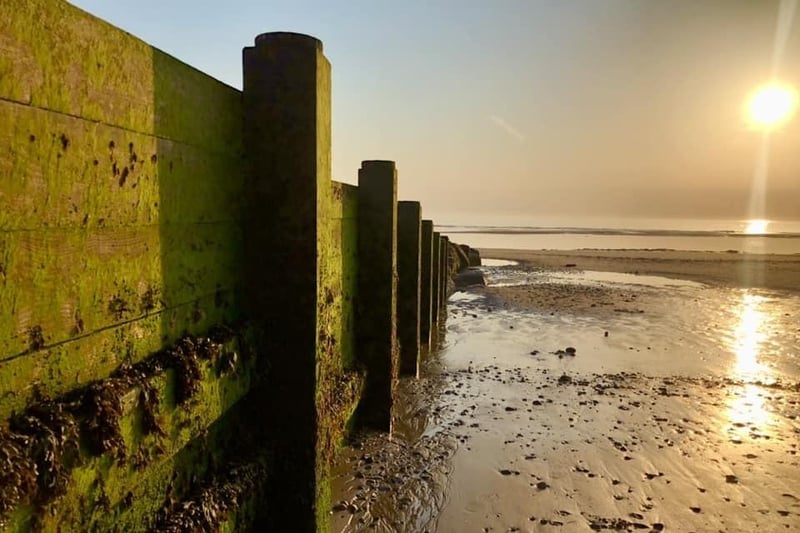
x,y
684,417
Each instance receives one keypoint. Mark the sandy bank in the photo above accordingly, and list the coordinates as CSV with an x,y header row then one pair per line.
x,y
779,272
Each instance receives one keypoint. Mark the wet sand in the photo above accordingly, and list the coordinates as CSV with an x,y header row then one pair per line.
x,y
780,272
677,410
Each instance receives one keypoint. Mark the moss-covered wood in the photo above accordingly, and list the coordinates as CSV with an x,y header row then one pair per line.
x,y
106,443
140,206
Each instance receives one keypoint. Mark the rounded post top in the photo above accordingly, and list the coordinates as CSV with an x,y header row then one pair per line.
x,y
287,38
378,163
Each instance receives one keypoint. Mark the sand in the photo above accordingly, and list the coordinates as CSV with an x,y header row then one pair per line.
x,y
662,419
780,272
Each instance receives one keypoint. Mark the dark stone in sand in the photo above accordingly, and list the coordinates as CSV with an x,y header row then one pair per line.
x,y
542,485
570,350
564,379
470,277
730,478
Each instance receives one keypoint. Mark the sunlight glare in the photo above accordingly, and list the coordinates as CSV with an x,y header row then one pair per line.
x,y
746,408
748,411
772,105
756,227
748,336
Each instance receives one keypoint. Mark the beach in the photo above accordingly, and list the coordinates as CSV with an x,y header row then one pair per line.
x,y
768,271
596,391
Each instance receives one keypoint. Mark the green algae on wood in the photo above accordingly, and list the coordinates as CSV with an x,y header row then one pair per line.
x,y
137,418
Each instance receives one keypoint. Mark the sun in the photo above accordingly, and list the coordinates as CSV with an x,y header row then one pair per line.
x,y
772,105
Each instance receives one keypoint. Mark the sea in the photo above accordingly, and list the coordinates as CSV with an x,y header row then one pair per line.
x,y
523,232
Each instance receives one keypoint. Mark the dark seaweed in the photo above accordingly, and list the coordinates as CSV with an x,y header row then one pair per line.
x,y
42,445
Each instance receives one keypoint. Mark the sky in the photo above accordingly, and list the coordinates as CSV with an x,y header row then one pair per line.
x,y
530,108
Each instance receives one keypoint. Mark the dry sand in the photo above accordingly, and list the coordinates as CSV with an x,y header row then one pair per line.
x,y
647,427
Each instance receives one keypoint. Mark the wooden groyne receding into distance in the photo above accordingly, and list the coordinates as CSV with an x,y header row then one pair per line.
x,y
193,315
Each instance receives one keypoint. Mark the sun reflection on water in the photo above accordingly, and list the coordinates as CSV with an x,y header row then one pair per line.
x,y
756,226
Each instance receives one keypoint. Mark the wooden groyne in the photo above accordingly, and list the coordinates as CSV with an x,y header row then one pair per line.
x,y
192,313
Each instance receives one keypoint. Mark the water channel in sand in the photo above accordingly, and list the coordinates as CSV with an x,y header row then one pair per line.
x,y
679,411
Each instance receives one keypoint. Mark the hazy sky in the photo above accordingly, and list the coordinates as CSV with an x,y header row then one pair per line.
x,y
557,107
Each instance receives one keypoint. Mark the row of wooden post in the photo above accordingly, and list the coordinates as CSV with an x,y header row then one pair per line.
x,y
401,275
402,287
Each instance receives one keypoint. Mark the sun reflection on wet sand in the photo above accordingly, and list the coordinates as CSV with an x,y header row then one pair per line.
x,y
747,409
748,337
748,414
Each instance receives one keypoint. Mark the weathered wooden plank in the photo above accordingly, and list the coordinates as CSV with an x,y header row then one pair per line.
x,y
55,56
54,371
58,57
61,171
59,285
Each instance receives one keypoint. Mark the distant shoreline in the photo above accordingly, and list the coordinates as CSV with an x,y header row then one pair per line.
x,y
614,232
732,269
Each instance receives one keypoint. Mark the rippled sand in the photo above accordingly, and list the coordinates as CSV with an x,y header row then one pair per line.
x,y
678,411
